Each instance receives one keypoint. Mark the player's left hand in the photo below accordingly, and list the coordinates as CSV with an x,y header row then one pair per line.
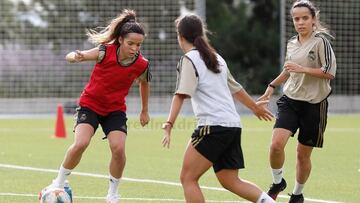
x,y
144,118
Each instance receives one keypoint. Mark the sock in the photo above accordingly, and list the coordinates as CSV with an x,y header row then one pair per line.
x,y
277,175
298,188
265,198
62,175
113,185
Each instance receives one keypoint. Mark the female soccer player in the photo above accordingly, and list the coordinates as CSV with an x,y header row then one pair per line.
x,y
204,77
118,64
309,66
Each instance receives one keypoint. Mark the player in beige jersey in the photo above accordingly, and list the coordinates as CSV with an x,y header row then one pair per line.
x,y
309,66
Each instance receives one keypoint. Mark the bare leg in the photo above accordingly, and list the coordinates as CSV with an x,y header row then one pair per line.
x,y
280,137
118,158
194,166
303,163
229,180
83,135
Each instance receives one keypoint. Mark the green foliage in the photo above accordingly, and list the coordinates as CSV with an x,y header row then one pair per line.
x,y
247,36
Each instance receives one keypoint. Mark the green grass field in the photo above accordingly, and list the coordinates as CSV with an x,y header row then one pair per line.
x,y
152,171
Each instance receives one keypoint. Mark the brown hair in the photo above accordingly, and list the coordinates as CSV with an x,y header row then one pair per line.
x,y
315,13
191,28
120,26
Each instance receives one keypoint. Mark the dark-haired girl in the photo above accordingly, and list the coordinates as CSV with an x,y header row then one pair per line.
x,y
204,77
118,63
310,64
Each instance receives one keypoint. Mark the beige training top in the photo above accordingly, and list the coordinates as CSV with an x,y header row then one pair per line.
x,y
187,79
316,52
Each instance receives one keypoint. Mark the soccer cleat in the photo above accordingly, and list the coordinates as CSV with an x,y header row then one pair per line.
x,y
275,189
112,199
296,198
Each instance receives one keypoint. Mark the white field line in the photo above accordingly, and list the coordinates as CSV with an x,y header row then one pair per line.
x,y
121,198
136,180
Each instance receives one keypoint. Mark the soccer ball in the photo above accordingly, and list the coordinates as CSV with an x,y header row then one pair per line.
x,y
55,195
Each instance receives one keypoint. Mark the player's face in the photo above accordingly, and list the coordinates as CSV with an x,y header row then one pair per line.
x,y
303,20
130,45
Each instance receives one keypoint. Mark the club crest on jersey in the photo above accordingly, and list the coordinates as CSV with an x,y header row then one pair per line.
x,y
82,117
311,55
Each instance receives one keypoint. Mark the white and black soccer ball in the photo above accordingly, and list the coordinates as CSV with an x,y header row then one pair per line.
x,y
55,195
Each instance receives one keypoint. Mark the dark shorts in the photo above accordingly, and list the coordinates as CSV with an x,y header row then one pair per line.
x,y
220,145
113,121
309,118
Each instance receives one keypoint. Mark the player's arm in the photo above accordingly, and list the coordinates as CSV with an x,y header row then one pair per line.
x,y
176,104
86,55
315,72
280,79
187,82
242,96
144,89
258,108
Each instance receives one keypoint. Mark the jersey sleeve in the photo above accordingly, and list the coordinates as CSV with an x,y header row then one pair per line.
x,y
146,75
326,57
187,79
102,53
233,85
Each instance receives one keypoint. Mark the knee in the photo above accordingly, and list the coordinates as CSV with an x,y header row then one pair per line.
x,y
302,158
186,178
228,182
183,178
276,148
225,184
80,147
118,152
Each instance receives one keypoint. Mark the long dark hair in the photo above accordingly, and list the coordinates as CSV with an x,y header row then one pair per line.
x,y
120,26
192,29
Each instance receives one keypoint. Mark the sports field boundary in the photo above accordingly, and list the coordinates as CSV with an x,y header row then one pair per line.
x,y
27,168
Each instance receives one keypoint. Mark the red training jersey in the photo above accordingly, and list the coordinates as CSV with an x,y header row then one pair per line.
x,y
110,82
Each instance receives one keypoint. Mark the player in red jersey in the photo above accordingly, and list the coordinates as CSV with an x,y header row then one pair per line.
x,y
118,64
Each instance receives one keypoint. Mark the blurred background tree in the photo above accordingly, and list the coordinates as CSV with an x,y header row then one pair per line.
x,y
246,33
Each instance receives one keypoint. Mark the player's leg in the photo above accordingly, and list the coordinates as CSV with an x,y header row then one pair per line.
x,y
229,180
85,127
115,129
311,134
279,139
118,158
83,135
285,126
194,165
117,163
303,167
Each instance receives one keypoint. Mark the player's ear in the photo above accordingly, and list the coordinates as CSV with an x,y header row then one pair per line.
x,y
120,40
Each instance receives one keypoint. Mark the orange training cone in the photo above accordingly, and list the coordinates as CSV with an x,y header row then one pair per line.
x,y
60,124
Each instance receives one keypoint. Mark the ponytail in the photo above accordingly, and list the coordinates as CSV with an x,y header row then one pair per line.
x,y
120,26
207,54
191,28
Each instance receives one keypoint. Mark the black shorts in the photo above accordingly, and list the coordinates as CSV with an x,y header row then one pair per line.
x,y
113,121
309,118
220,145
